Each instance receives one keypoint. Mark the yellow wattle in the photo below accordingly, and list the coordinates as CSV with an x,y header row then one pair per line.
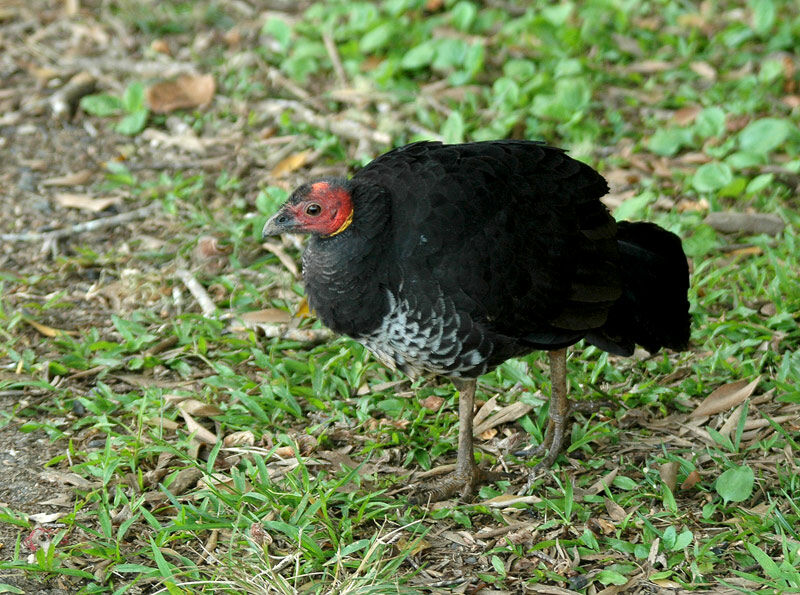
x,y
343,226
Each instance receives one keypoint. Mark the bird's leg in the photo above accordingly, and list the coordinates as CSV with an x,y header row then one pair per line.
x,y
559,407
467,476
559,412
465,459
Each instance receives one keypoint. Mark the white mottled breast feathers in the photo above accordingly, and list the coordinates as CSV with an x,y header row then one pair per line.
x,y
432,341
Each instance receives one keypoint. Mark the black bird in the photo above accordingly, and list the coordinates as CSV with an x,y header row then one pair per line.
x,y
450,259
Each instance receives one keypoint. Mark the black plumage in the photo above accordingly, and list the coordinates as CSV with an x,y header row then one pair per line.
x,y
449,259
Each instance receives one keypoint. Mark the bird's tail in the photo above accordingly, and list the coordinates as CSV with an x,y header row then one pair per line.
x,y
653,310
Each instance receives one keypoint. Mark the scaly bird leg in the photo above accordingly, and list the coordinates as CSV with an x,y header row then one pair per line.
x,y
467,476
553,441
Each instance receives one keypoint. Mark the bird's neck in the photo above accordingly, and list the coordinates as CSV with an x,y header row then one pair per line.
x,y
345,274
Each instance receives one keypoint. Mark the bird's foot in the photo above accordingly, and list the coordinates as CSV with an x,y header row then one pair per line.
x,y
549,449
552,443
550,456
463,483
537,451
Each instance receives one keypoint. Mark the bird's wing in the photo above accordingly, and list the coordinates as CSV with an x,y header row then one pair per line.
x,y
513,231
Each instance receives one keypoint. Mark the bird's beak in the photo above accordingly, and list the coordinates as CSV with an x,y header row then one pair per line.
x,y
279,223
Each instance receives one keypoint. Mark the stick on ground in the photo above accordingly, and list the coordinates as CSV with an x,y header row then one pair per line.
x,y
93,225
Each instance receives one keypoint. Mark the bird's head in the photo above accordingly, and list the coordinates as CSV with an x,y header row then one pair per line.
x,y
324,208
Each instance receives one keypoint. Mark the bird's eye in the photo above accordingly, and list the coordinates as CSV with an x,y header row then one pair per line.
x,y
313,209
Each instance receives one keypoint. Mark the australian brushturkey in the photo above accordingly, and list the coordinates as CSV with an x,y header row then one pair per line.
x,y
450,259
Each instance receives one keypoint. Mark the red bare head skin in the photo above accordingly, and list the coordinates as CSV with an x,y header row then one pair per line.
x,y
324,208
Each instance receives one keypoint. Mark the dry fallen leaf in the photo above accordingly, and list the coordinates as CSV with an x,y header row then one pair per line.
x,y
67,478
693,158
601,526
187,91
285,259
686,115
233,37
668,585
484,411
291,163
266,316
704,69
768,309
686,204
226,483
613,199
160,46
198,408
77,178
432,402
653,555
400,424
733,420
725,397
48,331
746,223
488,434
615,511
510,499
692,19
338,459
284,452
650,66
419,545
162,422
46,517
243,438
84,201
735,122
669,474
507,414
691,480
211,247
601,484
747,251
306,443
200,433
619,178
175,399
791,101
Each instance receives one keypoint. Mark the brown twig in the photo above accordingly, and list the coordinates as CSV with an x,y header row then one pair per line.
x,y
207,306
86,373
344,128
747,246
93,225
333,54
312,335
277,78
64,102
497,532
162,345
285,259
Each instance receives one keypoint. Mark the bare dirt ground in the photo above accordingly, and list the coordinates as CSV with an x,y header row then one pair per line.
x,y
24,486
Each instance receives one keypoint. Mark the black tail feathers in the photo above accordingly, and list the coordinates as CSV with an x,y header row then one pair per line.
x,y
653,310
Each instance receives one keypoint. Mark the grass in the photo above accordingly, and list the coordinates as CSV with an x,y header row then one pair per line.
x,y
203,459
